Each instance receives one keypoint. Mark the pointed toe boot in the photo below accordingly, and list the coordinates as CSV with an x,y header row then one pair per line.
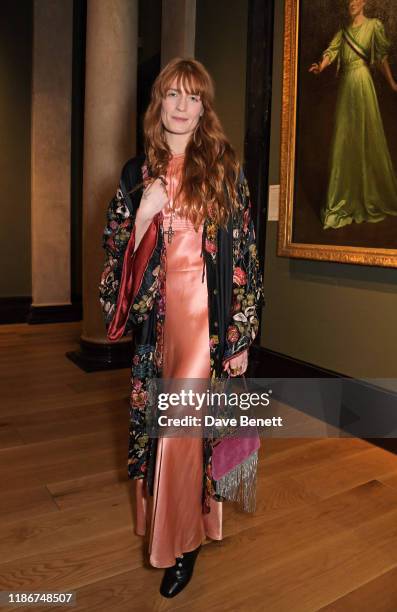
x,y
178,576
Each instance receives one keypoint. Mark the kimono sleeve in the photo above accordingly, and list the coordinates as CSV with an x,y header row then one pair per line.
x,y
115,237
247,296
380,42
129,280
333,49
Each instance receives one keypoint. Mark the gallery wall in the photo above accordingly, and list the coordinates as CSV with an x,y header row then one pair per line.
x,y
337,316
221,44
15,105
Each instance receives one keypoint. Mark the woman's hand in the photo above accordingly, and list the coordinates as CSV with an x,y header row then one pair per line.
x,y
153,200
237,365
318,67
315,68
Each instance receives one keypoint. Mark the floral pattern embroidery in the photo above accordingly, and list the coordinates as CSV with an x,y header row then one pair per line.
x,y
247,280
142,373
160,312
147,361
145,298
211,230
115,239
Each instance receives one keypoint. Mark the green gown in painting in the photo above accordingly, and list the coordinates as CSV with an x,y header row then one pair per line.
x,y
362,183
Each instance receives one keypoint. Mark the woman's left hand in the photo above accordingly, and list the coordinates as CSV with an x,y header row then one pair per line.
x,y
237,365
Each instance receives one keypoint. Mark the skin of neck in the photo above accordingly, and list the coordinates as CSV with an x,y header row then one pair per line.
x,y
358,19
177,142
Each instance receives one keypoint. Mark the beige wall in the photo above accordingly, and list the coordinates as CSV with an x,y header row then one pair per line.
x,y
51,150
221,44
337,316
15,81
178,26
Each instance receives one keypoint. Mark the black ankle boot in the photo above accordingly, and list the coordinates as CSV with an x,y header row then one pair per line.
x,y
176,577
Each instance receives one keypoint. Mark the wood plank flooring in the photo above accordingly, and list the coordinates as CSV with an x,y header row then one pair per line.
x,y
324,536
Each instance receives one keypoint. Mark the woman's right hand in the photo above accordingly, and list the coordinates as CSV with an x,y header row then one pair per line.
x,y
315,68
153,200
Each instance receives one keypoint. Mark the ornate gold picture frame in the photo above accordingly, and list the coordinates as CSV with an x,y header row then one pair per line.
x,y
338,184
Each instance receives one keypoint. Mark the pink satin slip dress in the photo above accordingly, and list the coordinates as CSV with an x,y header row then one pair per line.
x,y
174,515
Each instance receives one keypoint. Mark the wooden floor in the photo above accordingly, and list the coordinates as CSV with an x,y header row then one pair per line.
x,y
324,536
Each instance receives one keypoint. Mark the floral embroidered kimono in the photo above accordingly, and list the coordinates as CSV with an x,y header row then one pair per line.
x,y
132,296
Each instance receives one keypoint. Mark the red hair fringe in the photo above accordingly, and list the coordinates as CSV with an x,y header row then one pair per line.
x,y
211,169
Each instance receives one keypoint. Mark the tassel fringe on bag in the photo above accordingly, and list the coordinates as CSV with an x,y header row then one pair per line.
x,y
239,485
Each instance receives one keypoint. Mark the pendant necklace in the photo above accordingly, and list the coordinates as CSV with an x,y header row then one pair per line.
x,y
172,190
170,232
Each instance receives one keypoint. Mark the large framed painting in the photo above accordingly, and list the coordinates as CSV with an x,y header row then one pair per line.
x,y
338,191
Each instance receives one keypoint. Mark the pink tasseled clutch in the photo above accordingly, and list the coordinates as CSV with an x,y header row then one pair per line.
x,y
234,450
230,452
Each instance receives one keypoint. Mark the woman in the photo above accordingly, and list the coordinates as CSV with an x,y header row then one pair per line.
x,y
362,184
182,272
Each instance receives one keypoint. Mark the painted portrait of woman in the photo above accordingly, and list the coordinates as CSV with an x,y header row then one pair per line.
x,y
362,184
338,165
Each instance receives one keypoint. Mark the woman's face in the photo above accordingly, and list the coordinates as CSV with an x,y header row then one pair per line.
x,y
180,111
356,7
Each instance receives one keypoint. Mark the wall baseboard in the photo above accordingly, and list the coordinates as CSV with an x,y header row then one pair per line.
x,y
265,363
64,313
14,309
20,310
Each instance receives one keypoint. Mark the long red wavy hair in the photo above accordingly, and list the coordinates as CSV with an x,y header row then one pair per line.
x,y
209,176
